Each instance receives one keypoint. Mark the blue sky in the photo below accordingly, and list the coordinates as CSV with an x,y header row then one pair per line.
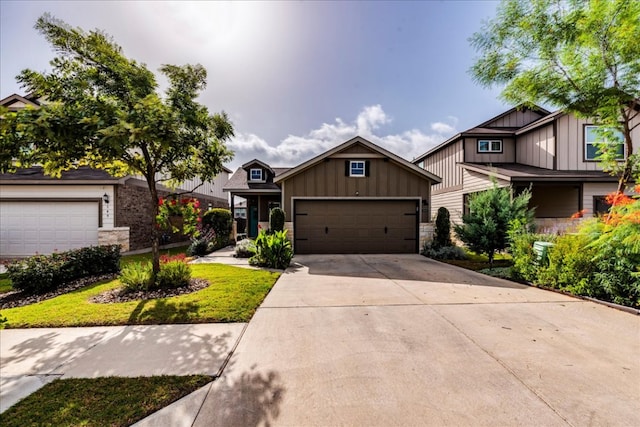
x,y
296,78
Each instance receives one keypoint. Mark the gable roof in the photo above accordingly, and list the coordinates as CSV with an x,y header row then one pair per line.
x,y
535,109
15,98
239,182
484,130
259,163
370,145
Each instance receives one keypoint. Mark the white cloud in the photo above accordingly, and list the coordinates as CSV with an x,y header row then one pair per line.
x,y
368,124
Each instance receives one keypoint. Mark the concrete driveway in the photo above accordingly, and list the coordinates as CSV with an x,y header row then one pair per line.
x,y
402,340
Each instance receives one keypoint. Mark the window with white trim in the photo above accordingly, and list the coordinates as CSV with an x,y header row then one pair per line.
x,y
592,140
255,175
489,146
357,168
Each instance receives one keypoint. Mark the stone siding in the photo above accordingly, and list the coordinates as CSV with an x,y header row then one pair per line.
x,y
114,236
426,233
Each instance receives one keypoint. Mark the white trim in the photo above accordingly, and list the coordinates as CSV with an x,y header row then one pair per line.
x,y
252,170
351,168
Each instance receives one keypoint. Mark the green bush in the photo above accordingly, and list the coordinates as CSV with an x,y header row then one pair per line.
x,y
245,248
220,221
442,232
524,258
173,274
570,266
276,219
432,250
136,276
43,273
272,250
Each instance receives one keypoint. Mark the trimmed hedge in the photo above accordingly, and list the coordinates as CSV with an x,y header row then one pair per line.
x,y
43,273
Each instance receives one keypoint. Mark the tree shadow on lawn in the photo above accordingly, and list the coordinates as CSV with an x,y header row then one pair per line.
x,y
163,311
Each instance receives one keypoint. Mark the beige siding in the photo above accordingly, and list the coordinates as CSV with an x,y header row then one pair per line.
x,y
452,200
327,179
537,148
591,189
471,154
443,163
516,119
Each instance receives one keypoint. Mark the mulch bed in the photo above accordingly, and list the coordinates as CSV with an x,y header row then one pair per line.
x,y
120,295
18,298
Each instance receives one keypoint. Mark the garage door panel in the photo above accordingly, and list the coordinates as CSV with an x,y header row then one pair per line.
x,y
355,226
29,227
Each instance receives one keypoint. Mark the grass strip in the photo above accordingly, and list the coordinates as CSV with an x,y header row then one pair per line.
x,y
109,401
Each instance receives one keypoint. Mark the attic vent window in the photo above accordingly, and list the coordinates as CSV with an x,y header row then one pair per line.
x,y
489,146
255,175
356,168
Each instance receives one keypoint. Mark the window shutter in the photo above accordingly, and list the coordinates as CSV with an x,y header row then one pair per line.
x,y
366,167
346,168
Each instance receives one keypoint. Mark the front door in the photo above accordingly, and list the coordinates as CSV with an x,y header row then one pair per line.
x,y
253,221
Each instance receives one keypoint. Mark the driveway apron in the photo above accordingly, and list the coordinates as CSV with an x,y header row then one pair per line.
x,y
403,340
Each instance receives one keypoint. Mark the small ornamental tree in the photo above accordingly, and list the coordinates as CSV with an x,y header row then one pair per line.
x,y
442,232
491,212
103,110
276,219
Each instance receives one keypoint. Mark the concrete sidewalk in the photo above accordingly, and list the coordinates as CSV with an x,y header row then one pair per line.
x,y
30,358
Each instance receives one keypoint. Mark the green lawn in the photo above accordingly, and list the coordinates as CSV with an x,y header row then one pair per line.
x,y
233,296
99,401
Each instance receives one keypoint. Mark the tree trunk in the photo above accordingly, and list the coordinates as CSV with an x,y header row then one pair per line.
x,y
625,176
155,230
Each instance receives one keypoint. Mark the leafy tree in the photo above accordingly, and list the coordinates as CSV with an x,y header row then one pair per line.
x,y
582,56
485,228
442,232
104,110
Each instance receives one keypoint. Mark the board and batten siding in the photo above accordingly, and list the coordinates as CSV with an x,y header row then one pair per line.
x,y
327,179
570,136
444,163
515,119
593,189
472,155
537,148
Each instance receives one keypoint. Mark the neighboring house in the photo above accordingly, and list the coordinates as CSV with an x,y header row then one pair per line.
x,y
354,198
41,214
551,153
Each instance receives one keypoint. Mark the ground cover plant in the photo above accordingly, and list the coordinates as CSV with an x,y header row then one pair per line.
x,y
111,401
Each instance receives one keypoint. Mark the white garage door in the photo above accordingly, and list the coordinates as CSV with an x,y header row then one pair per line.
x,y
27,228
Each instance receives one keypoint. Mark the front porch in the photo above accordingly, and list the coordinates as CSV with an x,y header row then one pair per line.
x,y
258,208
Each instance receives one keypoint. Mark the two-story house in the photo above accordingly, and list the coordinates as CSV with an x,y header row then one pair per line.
x,y
554,154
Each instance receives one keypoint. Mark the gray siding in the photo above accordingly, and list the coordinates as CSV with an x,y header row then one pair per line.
x,y
537,148
570,136
443,163
516,119
471,154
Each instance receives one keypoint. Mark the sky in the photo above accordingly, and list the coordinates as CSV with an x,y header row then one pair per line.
x,y
296,78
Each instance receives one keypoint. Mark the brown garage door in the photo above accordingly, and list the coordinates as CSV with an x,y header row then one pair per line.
x,y
355,226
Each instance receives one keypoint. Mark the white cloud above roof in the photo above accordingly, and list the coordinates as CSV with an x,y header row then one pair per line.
x,y
369,124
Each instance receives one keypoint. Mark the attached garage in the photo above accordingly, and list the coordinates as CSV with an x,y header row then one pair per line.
x,y
356,226
28,227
